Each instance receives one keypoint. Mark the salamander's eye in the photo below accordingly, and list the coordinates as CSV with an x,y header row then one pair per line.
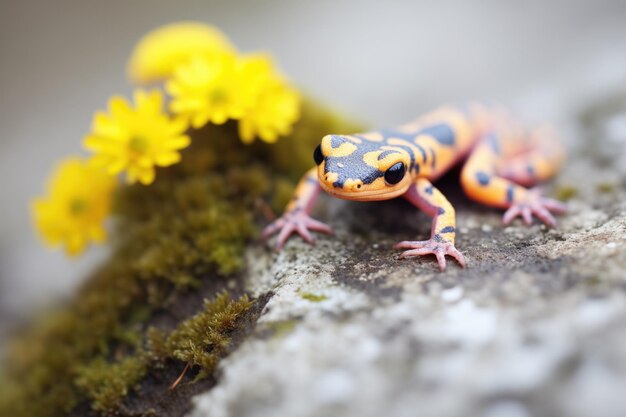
x,y
318,156
395,174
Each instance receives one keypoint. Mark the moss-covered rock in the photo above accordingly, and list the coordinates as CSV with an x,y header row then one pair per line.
x,y
175,243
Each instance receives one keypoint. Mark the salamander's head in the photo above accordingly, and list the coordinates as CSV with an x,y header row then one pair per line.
x,y
353,168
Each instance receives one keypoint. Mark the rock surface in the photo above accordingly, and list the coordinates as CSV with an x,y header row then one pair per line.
x,y
535,326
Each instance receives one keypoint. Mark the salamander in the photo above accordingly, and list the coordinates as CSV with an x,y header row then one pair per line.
x,y
502,158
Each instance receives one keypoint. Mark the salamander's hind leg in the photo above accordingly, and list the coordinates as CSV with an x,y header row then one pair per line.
x,y
492,179
539,162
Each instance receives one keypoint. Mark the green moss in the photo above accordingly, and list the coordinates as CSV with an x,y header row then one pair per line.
x,y
315,298
605,187
593,281
281,327
204,338
185,232
105,384
201,340
565,192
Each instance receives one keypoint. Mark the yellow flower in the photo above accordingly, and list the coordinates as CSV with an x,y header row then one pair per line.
x,y
207,89
157,54
77,202
277,109
215,89
274,105
136,139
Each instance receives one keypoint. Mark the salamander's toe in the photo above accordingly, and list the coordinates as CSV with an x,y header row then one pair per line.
x,y
537,206
431,247
294,222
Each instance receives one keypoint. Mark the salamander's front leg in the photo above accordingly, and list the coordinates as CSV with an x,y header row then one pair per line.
x,y
430,200
296,216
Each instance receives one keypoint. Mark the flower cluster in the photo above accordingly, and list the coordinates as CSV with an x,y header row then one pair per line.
x,y
219,87
208,82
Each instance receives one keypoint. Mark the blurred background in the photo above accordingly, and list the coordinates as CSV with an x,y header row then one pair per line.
x,y
380,62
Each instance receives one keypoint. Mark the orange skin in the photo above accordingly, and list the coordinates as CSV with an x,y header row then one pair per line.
x,y
502,158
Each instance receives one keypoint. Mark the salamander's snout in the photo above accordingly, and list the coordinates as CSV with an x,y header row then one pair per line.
x,y
352,185
329,179
333,180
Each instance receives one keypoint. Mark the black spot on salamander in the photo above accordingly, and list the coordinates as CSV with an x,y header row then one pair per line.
x,y
429,190
447,229
437,238
416,168
423,152
482,178
440,211
510,193
433,161
391,133
442,132
336,141
385,154
371,176
351,167
493,141
409,150
530,170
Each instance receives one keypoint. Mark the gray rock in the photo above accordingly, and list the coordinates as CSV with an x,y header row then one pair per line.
x,y
535,326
